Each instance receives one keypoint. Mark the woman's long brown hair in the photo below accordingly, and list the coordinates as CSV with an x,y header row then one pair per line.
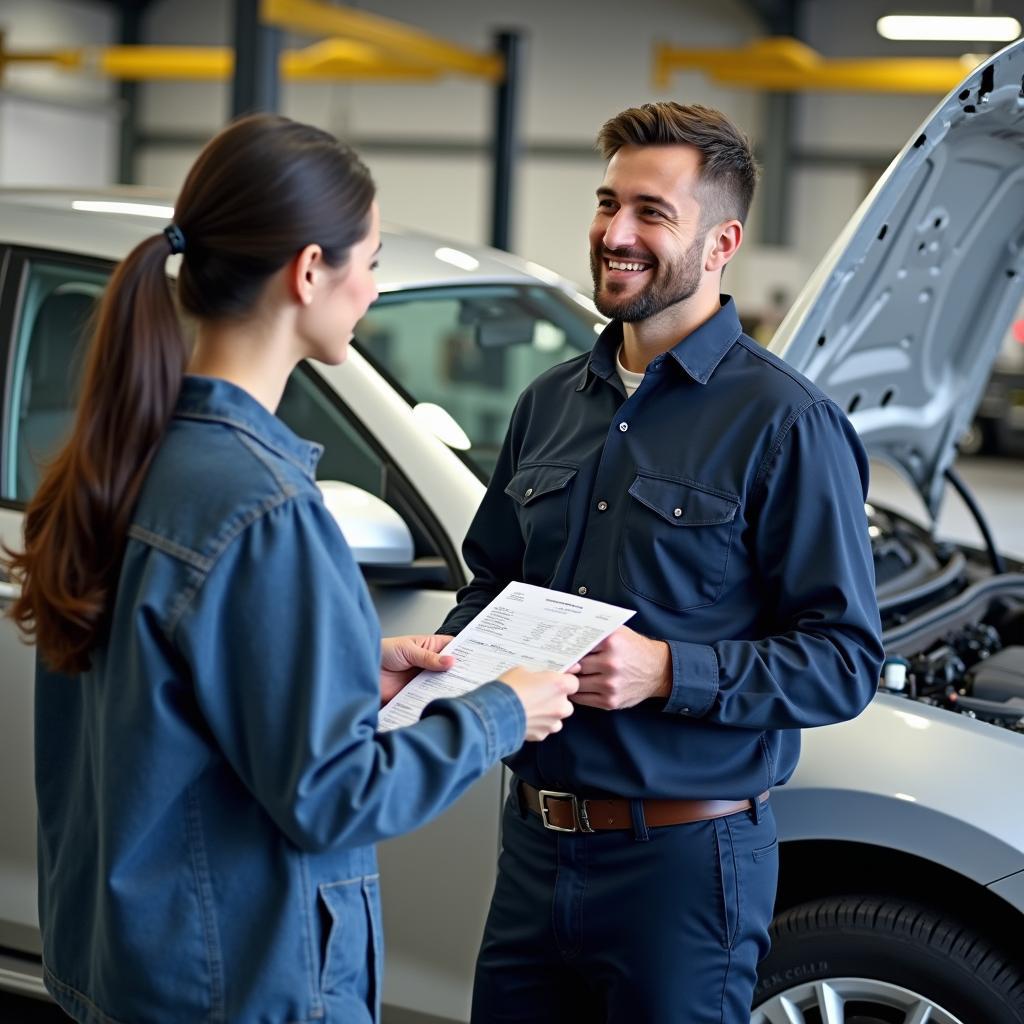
x,y
77,522
261,190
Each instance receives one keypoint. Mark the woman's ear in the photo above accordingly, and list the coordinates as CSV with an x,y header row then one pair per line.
x,y
304,273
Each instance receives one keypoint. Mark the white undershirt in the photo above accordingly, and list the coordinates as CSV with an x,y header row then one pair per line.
x,y
630,380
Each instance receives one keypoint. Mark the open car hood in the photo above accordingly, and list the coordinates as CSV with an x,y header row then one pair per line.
x,y
903,320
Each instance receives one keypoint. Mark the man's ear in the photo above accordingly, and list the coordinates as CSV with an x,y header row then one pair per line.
x,y
726,240
303,273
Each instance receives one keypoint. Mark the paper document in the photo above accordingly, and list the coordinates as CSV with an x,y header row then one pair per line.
x,y
524,625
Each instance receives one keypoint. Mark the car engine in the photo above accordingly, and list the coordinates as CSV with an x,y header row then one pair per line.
x,y
953,629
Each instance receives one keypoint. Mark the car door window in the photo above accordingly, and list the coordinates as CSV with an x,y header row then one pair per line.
x,y
52,332
312,413
473,349
58,301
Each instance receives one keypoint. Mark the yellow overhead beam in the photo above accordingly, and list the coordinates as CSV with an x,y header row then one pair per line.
x,y
785,64
352,61
154,62
363,47
392,38
332,59
64,58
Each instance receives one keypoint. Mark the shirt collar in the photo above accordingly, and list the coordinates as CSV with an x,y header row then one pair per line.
x,y
698,354
211,398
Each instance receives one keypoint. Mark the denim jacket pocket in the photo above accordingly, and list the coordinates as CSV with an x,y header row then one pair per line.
x,y
541,494
353,958
675,547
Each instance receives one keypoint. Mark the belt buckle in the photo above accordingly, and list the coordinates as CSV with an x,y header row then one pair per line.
x,y
579,812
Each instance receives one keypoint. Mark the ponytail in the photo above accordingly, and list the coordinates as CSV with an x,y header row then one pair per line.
x,y
76,525
261,190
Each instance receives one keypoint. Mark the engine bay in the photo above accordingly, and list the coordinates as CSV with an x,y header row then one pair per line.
x,y
953,629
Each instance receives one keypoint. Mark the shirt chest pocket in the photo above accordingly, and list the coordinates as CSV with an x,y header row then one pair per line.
x,y
676,542
541,495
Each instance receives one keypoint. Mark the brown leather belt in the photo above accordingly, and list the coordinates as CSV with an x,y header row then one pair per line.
x,y
565,812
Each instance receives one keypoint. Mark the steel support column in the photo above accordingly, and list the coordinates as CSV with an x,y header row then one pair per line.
x,y
256,83
776,150
130,33
505,146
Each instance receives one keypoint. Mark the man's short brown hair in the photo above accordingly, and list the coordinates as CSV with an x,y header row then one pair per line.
x,y
728,172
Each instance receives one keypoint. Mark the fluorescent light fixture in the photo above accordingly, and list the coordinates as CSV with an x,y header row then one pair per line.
x,y
442,425
457,258
135,209
949,28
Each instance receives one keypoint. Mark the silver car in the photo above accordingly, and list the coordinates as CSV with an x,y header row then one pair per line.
x,y
901,893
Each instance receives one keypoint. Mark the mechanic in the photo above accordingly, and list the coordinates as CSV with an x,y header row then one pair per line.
x,y
685,472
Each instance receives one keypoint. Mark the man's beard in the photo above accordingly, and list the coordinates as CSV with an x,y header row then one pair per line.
x,y
670,283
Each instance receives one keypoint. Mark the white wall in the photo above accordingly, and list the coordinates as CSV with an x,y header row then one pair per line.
x,y
45,142
57,128
51,24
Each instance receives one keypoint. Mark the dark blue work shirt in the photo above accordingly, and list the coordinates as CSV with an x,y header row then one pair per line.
x,y
724,502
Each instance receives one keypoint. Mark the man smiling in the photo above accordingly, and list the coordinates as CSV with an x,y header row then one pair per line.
x,y
683,471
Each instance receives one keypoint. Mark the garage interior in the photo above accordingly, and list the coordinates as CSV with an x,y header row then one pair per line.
x,y
477,119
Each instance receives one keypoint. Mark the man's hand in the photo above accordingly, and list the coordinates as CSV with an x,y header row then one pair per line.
x,y
624,669
402,657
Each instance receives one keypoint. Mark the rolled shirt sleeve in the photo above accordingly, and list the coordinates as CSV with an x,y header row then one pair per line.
x,y
814,561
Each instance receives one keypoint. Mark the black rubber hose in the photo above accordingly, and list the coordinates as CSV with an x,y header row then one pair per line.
x,y
998,565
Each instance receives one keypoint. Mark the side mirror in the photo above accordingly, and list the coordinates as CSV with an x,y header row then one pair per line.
x,y
375,532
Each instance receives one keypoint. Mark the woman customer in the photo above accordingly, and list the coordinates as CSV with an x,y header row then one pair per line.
x,y
209,780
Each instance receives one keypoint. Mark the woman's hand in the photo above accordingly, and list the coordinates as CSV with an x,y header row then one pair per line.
x,y
402,657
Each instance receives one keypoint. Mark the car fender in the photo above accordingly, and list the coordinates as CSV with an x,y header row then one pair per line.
x,y
916,779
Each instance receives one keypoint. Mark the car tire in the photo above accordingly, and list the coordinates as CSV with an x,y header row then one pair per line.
x,y
873,959
974,439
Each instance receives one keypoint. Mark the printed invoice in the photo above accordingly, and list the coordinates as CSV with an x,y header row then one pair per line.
x,y
524,625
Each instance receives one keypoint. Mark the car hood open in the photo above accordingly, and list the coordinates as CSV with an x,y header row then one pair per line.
x,y
903,320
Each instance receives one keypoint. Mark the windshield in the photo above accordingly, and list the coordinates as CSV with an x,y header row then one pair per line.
x,y
462,355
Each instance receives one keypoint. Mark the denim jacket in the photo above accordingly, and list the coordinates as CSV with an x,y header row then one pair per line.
x,y
210,790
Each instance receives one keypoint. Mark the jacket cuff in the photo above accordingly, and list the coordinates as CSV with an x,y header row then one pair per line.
x,y
503,716
694,679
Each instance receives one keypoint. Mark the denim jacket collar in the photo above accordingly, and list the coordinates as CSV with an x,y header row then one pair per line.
x,y
211,398
698,354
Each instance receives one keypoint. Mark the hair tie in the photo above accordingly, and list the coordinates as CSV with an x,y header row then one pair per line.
x,y
175,238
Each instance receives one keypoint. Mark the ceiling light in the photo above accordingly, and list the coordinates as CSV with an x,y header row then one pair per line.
x,y
135,209
951,28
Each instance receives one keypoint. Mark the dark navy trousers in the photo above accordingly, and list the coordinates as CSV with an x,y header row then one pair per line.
x,y
648,926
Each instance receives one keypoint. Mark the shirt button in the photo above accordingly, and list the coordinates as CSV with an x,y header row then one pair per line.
x,y
623,426
602,506
582,591
529,491
677,512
